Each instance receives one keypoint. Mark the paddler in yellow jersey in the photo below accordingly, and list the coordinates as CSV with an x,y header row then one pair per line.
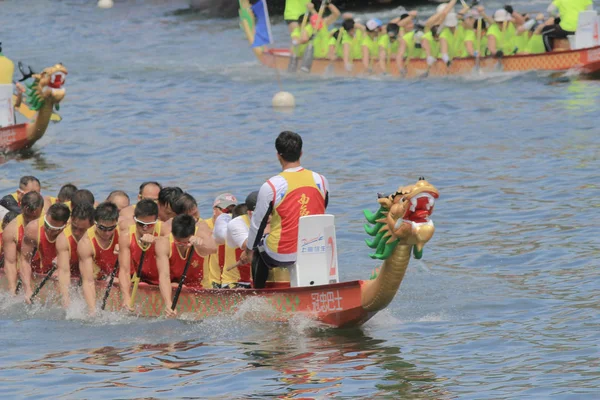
x,y
294,9
223,205
32,204
236,273
148,190
65,194
469,48
348,46
320,29
370,48
295,192
388,44
535,45
567,23
501,35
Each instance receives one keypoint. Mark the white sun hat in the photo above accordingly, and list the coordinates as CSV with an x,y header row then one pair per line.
x,y
451,20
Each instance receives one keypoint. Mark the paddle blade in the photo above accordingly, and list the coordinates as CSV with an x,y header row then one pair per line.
x,y
307,59
293,65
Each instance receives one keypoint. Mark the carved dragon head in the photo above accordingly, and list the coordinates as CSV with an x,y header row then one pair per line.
x,y
46,86
403,218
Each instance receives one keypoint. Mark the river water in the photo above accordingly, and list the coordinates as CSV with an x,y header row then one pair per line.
x,y
503,305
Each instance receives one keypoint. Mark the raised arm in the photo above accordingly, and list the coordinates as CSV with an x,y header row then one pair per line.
x,y
335,14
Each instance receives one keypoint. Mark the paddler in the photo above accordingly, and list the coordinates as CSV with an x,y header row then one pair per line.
x,y
500,35
236,273
566,25
388,44
469,48
12,202
148,190
140,236
321,29
294,9
98,251
535,45
39,242
83,196
32,204
119,198
65,194
82,219
286,197
223,205
172,255
370,48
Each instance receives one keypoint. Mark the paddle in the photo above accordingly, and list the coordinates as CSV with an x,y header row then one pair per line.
x,y
478,45
136,279
43,282
307,58
110,283
183,276
293,65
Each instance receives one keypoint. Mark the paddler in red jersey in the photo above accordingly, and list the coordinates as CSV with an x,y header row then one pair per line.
x,y
286,197
172,255
31,205
97,251
137,238
65,194
39,242
148,190
82,219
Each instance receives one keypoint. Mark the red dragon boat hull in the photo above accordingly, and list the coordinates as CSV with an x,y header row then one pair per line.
x,y
336,305
14,138
583,61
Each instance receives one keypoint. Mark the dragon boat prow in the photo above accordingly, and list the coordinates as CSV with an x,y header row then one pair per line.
x,y
403,227
44,92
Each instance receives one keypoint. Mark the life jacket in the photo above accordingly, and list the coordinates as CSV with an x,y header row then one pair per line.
x,y
215,261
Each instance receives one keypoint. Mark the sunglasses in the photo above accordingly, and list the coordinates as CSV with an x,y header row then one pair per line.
x,y
52,227
181,243
106,228
143,224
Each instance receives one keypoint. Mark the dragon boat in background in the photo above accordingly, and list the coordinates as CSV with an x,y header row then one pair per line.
x,y
44,92
583,57
400,228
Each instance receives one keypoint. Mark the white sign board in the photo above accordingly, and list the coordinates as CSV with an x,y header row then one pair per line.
x,y
316,263
588,33
7,111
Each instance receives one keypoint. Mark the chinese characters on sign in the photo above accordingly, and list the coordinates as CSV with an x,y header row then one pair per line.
x,y
327,301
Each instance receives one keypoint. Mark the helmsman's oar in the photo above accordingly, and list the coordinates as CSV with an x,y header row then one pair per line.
x,y
183,276
136,279
110,283
293,65
43,282
309,53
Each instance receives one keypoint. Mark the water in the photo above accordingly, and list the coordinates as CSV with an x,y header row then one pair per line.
x,y
504,303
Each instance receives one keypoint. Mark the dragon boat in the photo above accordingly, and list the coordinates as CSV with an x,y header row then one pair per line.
x,y
581,58
400,229
44,92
